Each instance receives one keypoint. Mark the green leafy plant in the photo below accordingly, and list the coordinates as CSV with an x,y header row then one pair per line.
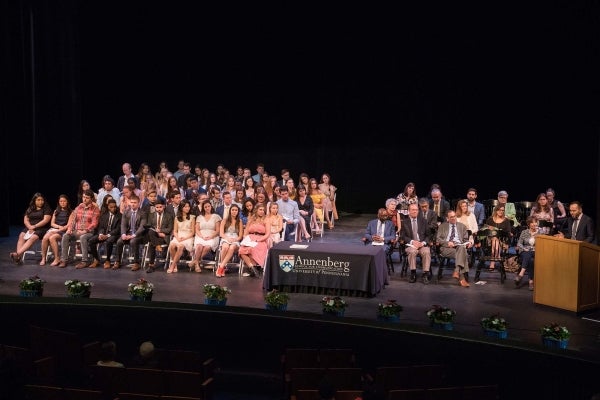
x,y
495,322
389,309
217,292
32,283
77,287
555,331
333,304
441,314
275,298
141,288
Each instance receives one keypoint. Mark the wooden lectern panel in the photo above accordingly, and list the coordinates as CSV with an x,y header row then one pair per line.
x,y
567,274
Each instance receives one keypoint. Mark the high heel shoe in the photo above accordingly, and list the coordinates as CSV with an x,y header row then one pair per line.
x,y
197,268
43,262
171,268
220,272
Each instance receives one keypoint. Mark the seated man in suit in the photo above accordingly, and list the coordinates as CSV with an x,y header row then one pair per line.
x,y
415,234
579,226
453,239
380,231
160,227
133,232
439,205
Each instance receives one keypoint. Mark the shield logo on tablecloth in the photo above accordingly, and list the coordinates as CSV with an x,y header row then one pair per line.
x,y
286,263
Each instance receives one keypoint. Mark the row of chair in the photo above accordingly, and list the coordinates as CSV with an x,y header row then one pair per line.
x,y
150,381
44,392
480,392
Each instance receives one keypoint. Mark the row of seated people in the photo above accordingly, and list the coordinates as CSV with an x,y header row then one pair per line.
x,y
432,236
175,225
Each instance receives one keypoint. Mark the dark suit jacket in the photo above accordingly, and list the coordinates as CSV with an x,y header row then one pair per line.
x,y
140,222
444,207
169,208
422,229
221,209
166,223
122,181
585,230
431,219
115,226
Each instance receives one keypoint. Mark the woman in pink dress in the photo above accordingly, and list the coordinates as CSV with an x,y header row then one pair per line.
x,y
258,235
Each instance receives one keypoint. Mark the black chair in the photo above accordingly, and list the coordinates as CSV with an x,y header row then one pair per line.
x,y
487,238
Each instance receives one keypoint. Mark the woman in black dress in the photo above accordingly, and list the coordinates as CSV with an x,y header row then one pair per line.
x,y
37,221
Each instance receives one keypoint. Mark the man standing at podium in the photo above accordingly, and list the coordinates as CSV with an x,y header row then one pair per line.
x,y
579,226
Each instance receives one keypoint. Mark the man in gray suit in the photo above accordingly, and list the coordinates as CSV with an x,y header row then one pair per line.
x,y
453,240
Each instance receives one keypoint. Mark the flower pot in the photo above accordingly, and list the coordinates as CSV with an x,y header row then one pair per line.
x,y
388,318
555,343
281,307
337,313
31,293
496,333
445,326
79,295
215,302
147,297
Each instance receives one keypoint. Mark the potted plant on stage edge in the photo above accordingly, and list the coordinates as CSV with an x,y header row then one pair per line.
x,y
215,294
141,290
276,300
494,326
77,288
389,311
31,287
334,305
555,336
441,317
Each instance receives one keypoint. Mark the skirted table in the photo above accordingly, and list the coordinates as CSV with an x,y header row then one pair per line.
x,y
326,268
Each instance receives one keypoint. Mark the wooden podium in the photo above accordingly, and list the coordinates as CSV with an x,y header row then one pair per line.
x,y
567,274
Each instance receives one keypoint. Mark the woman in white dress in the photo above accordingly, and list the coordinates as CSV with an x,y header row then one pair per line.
x,y
184,230
231,232
207,234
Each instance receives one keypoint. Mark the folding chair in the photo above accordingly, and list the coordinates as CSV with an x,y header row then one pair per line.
x,y
236,261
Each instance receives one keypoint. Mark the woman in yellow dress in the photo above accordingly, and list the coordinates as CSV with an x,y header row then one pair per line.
x,y
318,198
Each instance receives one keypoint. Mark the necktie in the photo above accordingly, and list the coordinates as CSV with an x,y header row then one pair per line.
x,y
452,233
109,227
158,220
414,229
132,222
436,208
381,228
425,215
574,229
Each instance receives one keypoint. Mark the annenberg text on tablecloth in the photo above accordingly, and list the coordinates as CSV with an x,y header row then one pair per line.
x,y
325,266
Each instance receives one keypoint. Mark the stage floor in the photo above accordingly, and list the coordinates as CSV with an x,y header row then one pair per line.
x,y
471,304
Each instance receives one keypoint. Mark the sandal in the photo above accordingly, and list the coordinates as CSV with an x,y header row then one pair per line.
x,y
43,262
14,257
198,269
55,263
